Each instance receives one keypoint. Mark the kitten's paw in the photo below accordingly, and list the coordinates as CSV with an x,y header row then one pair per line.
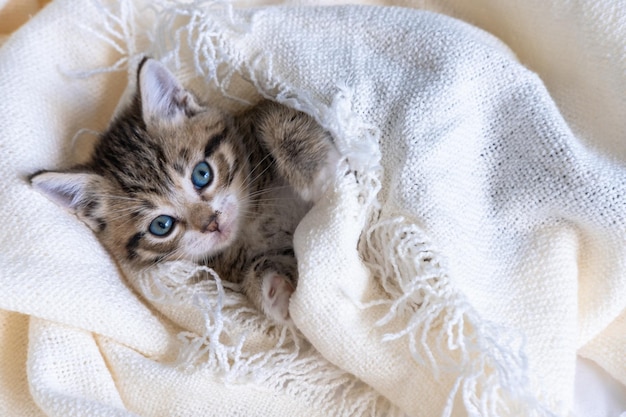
x,y
277,291
325,176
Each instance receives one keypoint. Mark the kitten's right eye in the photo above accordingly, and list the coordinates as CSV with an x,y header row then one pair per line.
x,y
162,225
202,175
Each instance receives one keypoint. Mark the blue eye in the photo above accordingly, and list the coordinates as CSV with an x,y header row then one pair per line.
x,y
162,225
202,175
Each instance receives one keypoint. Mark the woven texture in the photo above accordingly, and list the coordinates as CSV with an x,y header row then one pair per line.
x,y
470,247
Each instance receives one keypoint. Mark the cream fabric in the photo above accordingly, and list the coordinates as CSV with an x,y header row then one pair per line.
x,y
475,251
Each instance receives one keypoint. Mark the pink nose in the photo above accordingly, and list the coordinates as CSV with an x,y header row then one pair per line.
x,y
213,225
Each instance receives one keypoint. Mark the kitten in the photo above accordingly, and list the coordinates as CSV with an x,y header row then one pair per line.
x,y
174,179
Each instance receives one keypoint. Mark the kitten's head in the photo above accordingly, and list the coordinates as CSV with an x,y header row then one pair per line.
x,y
166,180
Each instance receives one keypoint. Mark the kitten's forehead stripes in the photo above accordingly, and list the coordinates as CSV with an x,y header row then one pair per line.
x,y
135,160
214,143
182,160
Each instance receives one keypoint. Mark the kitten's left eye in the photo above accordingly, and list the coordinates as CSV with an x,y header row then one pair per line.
x,y
202,175
162,225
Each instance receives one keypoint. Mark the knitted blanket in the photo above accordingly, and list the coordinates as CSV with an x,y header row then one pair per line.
x,y
470,247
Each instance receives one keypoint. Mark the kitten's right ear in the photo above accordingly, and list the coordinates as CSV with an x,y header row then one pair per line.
x,y
71,190
163,98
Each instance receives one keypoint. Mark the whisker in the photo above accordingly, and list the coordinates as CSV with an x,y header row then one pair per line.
x,y
267,190
253,168
248,182
275,198
119,197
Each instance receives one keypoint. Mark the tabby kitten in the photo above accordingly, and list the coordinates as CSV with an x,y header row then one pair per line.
x,y
174,179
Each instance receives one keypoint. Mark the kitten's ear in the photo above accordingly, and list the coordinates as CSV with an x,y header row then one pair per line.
x,y
163,98
76,191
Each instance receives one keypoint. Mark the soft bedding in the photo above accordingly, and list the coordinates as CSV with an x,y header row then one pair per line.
x,y
470,249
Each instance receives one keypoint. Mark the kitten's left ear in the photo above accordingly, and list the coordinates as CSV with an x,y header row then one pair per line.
x,y
163,98
78,192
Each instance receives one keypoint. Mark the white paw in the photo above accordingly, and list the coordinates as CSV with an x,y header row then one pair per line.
x,y
324,177
276,293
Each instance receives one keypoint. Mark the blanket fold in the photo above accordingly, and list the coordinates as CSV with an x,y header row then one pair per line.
x,y
470,246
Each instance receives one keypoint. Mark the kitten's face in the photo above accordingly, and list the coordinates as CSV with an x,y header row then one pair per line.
x,y
166,181
190,207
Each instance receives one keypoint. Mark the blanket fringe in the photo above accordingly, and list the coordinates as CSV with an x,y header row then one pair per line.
x,y
290,364
118,30
442,329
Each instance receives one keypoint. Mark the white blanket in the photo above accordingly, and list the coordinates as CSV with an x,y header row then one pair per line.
x,y
475,248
